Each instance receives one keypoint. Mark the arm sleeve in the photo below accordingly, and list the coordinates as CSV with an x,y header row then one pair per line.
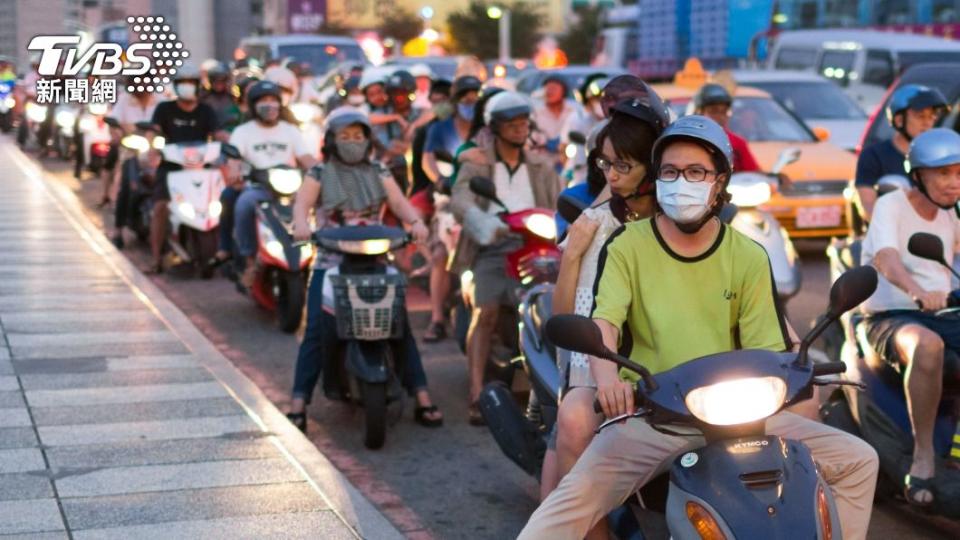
x,y
433,139
155,118
868,169
882,232
760,324
613,291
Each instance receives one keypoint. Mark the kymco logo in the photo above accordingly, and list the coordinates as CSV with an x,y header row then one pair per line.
x,y
151,62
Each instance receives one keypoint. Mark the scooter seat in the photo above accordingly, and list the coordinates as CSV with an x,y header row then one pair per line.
x,y
542,310
893,376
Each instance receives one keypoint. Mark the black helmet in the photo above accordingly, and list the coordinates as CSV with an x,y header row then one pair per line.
x,y
621,88
464,84
401,81
240,86
218,71
260,90
557,78
593,86
711,94
352,83
440,86
645,106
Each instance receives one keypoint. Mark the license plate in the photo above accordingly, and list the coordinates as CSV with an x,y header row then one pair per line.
x,y
818,217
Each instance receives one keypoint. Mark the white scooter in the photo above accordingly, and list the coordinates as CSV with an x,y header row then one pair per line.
x,y
749,191
195,202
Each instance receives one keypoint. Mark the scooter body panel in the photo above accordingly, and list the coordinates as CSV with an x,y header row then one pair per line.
x,y
741,481
195,198
765,230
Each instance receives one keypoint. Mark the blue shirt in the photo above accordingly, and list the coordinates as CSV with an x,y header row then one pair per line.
x,y
443,136
878,160
580,192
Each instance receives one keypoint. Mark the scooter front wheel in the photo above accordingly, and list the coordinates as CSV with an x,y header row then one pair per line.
x,y
375,408
204,249
291,295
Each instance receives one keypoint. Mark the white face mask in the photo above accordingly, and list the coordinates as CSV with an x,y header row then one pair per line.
x,y
683,201
186,91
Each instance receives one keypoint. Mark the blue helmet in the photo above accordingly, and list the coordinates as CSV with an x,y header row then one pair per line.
x,y
935,148
698,129
916,97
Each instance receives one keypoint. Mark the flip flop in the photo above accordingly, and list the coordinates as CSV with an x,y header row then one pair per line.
x,y
912,487
476,417
420,416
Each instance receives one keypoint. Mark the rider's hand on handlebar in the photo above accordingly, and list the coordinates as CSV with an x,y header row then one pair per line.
x,y
616,398
301,231
419,231
580,236
931,301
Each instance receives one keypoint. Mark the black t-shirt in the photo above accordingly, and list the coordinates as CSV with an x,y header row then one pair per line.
x,y
179,126
420,178
878,160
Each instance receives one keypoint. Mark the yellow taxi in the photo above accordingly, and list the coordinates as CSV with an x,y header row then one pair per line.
x,y
812,199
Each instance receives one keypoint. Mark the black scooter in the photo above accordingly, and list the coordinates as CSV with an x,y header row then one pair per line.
x,y
743,483
368,298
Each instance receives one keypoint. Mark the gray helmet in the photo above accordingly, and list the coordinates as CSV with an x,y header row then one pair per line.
x,y
342,117
698,129
187,72
934,148
712,94
505,106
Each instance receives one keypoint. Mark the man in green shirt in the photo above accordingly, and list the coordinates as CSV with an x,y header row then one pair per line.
x,y
684,285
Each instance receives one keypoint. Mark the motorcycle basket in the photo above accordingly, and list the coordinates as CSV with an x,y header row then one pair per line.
x,y
369,307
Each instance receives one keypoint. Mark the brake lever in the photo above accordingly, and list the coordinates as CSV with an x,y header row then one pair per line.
x,y
839,382
617,419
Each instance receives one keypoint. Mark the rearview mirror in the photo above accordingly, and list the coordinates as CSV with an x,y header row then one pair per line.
x,y
569,208
926,246
577,138
851,288
484,187
576,333
787,156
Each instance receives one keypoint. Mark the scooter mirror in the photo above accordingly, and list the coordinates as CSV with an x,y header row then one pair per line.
x,y
230,151
576,333
577,138
892,182
569,208
926,246
484,187
787,156
851,288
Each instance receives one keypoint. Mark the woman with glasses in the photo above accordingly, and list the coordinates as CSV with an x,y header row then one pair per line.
x,y
625,146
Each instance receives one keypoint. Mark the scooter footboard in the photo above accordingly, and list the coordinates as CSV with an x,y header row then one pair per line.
x,y
368,360
753,487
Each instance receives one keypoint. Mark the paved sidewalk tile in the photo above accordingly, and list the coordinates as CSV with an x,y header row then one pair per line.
x,y
29,516
24,486
8,383
22,341
142,348
136,412
125,394
17,460
286,527
189,428
140,453
17,437
104,379
47,322
103,363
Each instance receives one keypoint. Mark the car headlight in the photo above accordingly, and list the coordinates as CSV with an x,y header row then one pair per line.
x,y
36,113
738,401
541,225
377,246
135,142
10,102
749,189
65,119
303,112
285,181
97,109
215,209
187,210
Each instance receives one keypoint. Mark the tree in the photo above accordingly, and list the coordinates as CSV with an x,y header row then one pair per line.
x,y
472,32
577,43
401,24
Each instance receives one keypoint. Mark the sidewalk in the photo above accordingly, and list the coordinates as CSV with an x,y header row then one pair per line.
x,y
118,419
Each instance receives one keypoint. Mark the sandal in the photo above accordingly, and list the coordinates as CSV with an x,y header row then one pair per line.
x,y
476,417
216,261
299,420
912,487
437,331
154,269
420,416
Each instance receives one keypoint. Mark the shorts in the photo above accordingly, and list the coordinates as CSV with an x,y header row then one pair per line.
x,y
882,327
492,285
161,191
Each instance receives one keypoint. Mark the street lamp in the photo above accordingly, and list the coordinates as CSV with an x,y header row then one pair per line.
x,y
502,15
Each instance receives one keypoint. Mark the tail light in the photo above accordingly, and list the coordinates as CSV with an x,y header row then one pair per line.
x,y
705,525
101,149
823,510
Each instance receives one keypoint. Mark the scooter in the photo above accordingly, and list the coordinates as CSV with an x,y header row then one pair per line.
x,y
139,178
575,167
283,264
308,116
880,414
743,483
66,118
195,202
34,114
368,301
95,137
7,104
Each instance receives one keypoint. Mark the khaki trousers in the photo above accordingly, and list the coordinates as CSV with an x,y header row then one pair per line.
x,y
624,457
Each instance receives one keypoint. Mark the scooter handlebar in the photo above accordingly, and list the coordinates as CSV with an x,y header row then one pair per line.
x,y
953,300
829,368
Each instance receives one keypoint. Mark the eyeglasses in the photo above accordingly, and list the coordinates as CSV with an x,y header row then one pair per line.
x,y
694,173
622,167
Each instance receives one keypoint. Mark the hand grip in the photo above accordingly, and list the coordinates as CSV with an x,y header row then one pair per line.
x,y
829,368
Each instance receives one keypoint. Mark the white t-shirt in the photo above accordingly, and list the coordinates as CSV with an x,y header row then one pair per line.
x,y
894,222
548,123
514,191
266,147
127,110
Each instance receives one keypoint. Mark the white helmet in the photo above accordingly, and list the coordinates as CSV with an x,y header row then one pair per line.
x,y
372,76
282,77
421,70
506,106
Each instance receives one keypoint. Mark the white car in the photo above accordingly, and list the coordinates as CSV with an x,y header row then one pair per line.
x,y
817,101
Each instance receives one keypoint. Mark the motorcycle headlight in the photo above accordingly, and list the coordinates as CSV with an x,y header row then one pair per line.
x,y
285,181
65,119
570,151
10,102
135,142
159,142
36,113
303,112
187,210
738,401
306,251
97,109
87,123
215,209
445,169
275,249
378,246
748,190
541,225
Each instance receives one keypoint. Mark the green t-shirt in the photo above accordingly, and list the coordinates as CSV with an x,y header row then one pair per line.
x,y
678,308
